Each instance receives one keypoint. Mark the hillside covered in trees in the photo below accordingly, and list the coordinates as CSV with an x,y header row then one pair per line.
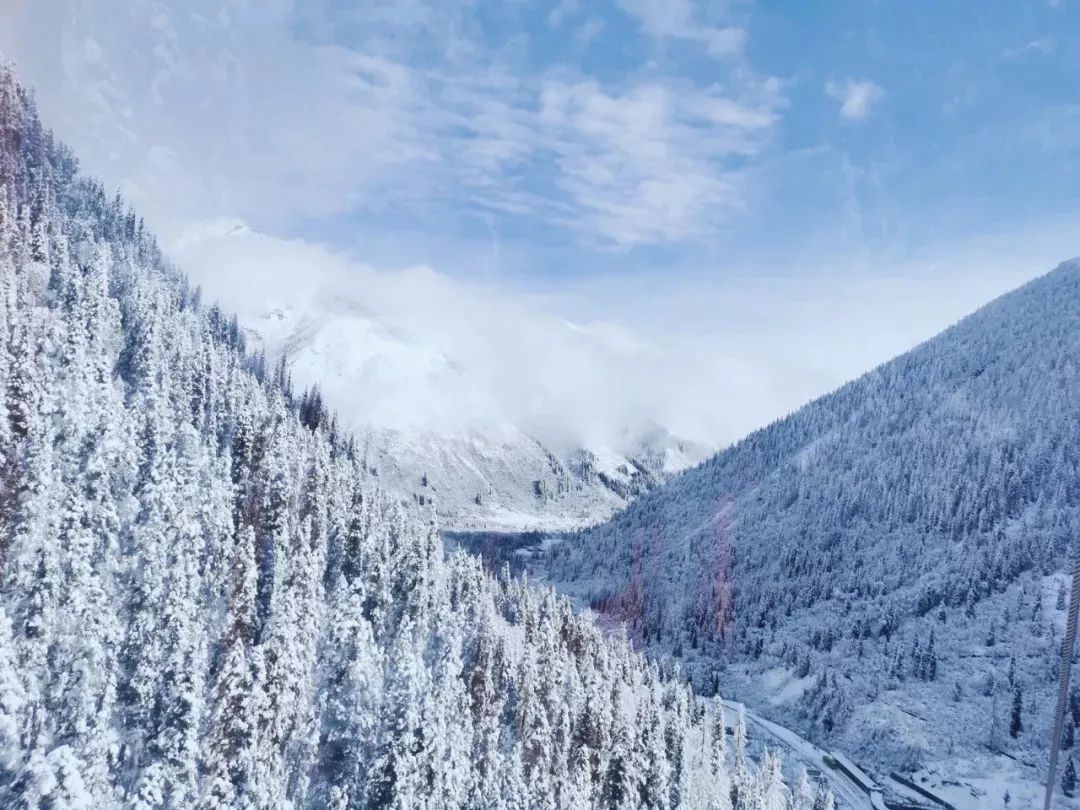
x,y
205,603
884,568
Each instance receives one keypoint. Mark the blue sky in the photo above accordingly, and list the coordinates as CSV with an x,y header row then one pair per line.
x,y
851,127
799,189
605,136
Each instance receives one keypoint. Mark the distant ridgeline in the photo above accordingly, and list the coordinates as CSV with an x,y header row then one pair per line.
x,y
205,604
902,537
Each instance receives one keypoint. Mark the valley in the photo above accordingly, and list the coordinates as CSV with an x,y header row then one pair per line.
x,y
885,569
634,405
769,697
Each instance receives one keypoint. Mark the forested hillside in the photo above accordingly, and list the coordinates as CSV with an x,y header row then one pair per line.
x,y
204,603
882,568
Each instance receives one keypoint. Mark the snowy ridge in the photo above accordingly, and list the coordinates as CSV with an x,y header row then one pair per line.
x,y
897,549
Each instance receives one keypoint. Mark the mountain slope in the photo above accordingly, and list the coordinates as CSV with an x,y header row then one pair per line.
x,y
885,563
204,602
501,479
491,474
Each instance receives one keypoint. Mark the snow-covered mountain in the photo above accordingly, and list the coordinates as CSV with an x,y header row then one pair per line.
x,y
204,603
505,480
427,419
885,568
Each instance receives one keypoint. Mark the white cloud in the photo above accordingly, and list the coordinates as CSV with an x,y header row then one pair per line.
x,y
589,30
678,19
1044,46
600,360
274,113
647,166
856,97
415,349
227,111
563,11
255,122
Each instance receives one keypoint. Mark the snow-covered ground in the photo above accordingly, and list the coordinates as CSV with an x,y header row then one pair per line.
x,y
978,781
967,785
982,784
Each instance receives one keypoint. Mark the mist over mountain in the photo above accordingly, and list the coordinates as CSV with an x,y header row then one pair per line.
x,y
473,402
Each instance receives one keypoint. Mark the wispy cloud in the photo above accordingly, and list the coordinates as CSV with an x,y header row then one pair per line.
x,y
407,111
856,97
647,165
563,10
1044,46
681,20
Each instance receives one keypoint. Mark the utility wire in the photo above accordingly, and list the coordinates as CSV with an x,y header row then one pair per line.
x,y
1068,645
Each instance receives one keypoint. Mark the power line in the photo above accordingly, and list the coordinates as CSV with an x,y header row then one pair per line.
x,y
1068,645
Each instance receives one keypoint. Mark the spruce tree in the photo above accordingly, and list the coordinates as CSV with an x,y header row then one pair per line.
x,y
1016,719
804,794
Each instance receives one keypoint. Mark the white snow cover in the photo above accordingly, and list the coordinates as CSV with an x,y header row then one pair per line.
x,y
518,419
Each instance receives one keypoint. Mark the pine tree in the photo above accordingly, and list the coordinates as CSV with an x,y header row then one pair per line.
x,y
929,666
742,782
228,762
1068,778
804,794
620,784
773,795
650,762
13,704
1016,719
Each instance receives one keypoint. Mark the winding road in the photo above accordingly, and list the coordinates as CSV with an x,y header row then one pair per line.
x,y
853,791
